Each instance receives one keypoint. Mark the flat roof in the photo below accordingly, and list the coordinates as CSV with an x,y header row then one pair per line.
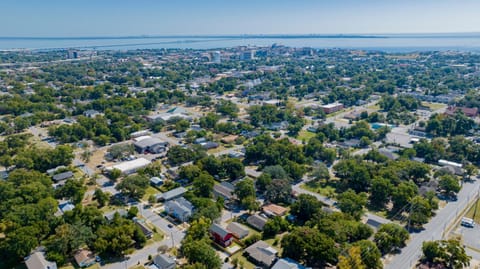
x,y
332,105
129,165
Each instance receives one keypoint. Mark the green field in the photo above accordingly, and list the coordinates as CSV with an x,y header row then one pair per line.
x,y
322,189
471,211
305,135
433,106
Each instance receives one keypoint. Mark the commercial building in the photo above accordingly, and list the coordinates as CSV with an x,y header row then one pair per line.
x,y
332,108
216,57
130,167
150,145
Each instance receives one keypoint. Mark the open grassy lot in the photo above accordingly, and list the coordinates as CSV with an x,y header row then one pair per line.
x,y
305,135
242,261
324,189
433,106
149,191
471,211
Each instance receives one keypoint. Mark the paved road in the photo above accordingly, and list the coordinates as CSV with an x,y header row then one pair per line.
x,y
162,225
331,202
435,228
142,254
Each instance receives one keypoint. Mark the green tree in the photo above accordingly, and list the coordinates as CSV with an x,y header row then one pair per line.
x,y
278,191
381,191
351,203
449,253
351,260
370,254
182,125
133,186
263,181
203,185
309,246
390,237
101,197
450,184
305,207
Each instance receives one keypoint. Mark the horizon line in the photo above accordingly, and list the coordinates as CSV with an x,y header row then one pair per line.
x,y
311,35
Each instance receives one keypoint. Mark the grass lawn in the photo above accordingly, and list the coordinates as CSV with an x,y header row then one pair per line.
x,y
305,135
242,261
321,188
433,106
471,211
149,191
374,107
67,267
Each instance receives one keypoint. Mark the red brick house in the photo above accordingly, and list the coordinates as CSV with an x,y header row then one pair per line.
x,y
220,235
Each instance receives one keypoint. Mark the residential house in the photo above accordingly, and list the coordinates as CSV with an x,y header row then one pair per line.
x,y
91,113
220,235
52,171
261,253
156,181
62,176
287,263
163,261
229,139
238,230
469,112
37,261
145,230
180,208
110,215
172,194
274,210
84,258
209,145
257,222
225,190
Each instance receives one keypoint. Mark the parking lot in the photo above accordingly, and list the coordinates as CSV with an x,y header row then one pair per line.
x,y
470,236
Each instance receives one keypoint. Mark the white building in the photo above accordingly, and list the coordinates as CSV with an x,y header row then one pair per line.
x,y
130,167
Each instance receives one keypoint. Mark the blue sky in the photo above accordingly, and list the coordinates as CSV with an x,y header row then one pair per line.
x,y
206,17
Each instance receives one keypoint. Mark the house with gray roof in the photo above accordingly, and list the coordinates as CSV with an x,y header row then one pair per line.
x,y
163,261
224,190
37,261
287,263
238,230
172,194
179,208
261,253
62,176
257,222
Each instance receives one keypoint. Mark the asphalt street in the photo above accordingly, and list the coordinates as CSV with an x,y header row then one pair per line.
x,y
434,230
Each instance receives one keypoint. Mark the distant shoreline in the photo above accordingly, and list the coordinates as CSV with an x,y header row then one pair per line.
x,y
247,36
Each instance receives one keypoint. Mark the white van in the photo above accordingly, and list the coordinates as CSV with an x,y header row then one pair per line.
x,y
468,222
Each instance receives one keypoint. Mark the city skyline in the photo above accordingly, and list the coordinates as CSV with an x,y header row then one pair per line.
x,y
185,17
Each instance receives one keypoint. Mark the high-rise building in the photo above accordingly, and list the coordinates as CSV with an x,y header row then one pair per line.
x,y
216,57
247,55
